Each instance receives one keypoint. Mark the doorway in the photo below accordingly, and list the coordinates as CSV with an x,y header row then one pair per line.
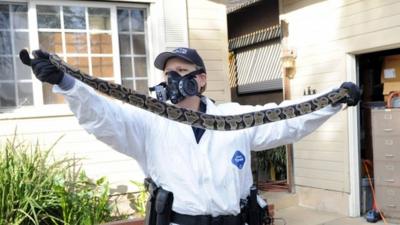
x,y
370,69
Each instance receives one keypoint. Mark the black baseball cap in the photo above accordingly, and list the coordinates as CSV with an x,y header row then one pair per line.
x,y
188,54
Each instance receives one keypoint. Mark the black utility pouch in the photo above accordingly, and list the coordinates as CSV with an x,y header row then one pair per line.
x,y
254,215
256,210
163,206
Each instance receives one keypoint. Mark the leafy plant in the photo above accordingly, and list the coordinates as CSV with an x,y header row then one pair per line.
x,y
139,198
274,161
83,201
26,181
37,189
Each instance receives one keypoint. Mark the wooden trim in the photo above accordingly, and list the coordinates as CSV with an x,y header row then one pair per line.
x,y
353,144
138,221
289,147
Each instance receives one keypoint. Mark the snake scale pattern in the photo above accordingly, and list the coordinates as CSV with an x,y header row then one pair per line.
x,y
198,119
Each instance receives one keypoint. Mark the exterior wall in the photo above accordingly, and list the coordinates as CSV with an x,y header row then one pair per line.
x,y
46,124
324,34
208,34
258,16
97,158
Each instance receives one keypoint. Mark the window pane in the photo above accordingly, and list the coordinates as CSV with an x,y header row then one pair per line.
x,y
101,43
74,17
50,41
137,20
99,18
142,86
49,97
138,44
102,66
132,47
124,44
25,94
6,68
21,41
7,95
75,42
23,71
4,16
5,43
20,16
128,84
140,67
48,16
123,20
81,63
126,67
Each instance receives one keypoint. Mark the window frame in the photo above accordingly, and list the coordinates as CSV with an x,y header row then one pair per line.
x,y
12,31
39,109
132,55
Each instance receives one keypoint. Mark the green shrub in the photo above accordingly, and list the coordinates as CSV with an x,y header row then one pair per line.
x,y
274,161
139,198
81,200
37,189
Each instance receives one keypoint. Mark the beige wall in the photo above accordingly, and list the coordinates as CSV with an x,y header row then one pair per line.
x,y
208,34
323,33
97,158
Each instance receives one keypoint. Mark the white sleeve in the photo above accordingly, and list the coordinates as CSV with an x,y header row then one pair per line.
x,y
291,130
121,126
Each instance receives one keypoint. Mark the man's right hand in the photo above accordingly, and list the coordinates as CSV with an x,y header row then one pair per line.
x,y
43,69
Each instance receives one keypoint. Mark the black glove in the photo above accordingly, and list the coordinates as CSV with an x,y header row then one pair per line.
x,y
44,70
353,96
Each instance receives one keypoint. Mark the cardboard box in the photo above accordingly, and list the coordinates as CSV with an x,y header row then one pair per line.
x,y
390,75
391,69
389,87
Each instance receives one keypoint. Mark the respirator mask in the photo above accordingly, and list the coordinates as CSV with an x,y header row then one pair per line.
x,y
177,87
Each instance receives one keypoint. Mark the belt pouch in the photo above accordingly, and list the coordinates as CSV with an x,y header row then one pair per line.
x,y
163,206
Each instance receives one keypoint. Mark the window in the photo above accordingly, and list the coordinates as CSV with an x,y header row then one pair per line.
x,y
15,78
81,34
132,36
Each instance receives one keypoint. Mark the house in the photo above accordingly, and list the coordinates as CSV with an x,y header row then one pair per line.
x,y
256,78
333,42
114,40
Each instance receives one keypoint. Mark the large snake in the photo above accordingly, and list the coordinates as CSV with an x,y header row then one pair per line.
x,y
190,117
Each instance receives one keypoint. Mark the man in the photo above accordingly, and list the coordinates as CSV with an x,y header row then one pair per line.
x,y
207,171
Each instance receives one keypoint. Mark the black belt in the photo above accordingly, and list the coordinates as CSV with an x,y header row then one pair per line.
x,y
182,219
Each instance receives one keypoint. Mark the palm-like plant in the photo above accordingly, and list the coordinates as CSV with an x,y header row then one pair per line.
x,y
274,161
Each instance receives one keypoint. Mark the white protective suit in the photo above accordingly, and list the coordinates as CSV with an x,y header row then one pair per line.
x,y
209,177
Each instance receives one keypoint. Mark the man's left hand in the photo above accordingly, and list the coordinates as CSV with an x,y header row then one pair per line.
x,y
354,94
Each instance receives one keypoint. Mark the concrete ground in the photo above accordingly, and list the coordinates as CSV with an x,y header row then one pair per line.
x,y
296,215
288,212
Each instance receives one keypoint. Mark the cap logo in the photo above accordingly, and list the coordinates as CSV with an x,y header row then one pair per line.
x,y
180,50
